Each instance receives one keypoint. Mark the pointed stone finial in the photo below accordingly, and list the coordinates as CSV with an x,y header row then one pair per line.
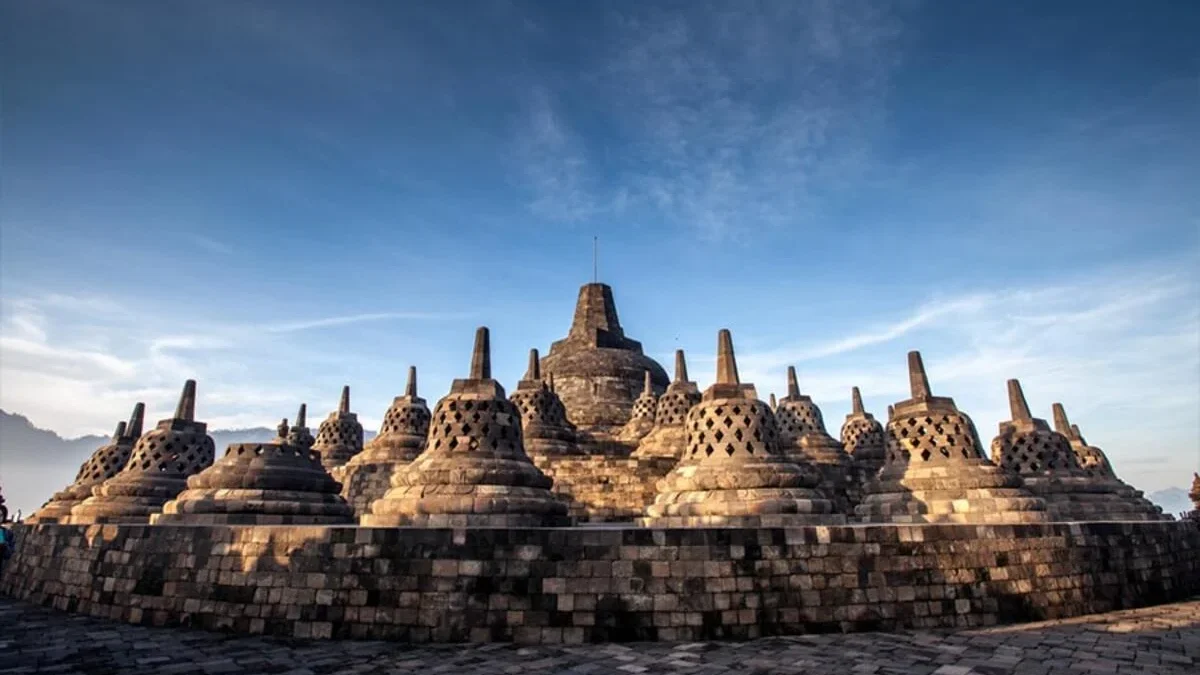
x,y
792,384
726,362
1077,434
282,429
302,416
1017,404
410,389
134,428
551,383
647,387
186,410
120,432
534,371
681,374
344,404
856,406
1061,424
481,355
891,411
918,381
772,401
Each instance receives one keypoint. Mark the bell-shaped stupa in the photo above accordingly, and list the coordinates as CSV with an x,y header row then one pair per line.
x,y
544,425
272,483
641,418
734,472
102,465
598,369
668,436
1045,461
1091,459
298,434
803,439
935,471
862,437
368,475
340,436
157,470
474,471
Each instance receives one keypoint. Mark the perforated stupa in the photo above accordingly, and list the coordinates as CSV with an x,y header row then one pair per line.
x,y
368,475
340,436
733,472
109,459
1091,459
157,470
272,483
544,425
668,436
1027,446
862,437
641,418
804,440
474,471
935,470
598,370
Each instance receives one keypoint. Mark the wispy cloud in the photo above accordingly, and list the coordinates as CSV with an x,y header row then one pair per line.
x,y
554,165
325,322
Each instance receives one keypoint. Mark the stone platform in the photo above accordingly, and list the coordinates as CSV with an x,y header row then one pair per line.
x,y
599,584
1162,640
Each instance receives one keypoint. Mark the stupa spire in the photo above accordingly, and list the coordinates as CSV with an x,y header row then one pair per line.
x,y
282,429
1061,424
918,381
119,433
1017,405
681,374
647,386
186,410
136,420
792,384
726,361
302,415
534,371
410,388
771,400
856,404
344,403
481,356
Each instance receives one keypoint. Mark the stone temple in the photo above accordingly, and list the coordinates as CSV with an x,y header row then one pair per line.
x,y
600,502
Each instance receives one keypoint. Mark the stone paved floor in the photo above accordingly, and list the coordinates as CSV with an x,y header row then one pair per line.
x,y
1158,640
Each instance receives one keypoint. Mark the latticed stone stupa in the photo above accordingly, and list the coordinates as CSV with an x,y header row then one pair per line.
x,y
1091,459
474,471
157,470
668,437
734,472
299,434
340,436
803,439
1045,461
272,483
102,465
1194,495
863,438
598,370
935,470
544,425
368,475
641,419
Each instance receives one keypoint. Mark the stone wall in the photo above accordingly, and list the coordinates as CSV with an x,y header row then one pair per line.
x,y
605,488
595,584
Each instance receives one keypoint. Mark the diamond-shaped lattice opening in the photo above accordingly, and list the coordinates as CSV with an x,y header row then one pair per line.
x,y
729,449
925,455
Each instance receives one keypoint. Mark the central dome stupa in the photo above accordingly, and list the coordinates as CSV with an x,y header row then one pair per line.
x,y
598,372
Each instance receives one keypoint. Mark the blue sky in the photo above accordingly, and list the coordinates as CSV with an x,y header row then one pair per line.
x,y
279,198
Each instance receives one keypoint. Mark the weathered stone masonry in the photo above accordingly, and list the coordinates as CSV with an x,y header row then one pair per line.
x,y
583,584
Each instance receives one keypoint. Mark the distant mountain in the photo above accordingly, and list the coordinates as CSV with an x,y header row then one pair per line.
x,y
35,463
1172,500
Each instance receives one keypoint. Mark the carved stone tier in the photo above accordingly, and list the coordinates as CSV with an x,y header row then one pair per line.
x,y
544,425
733,472
598,370
600,489
474,471
157,470
102,465
1045,461
668,437
368,475
803,439
299,434
935,471
272,483
340,436
641,419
